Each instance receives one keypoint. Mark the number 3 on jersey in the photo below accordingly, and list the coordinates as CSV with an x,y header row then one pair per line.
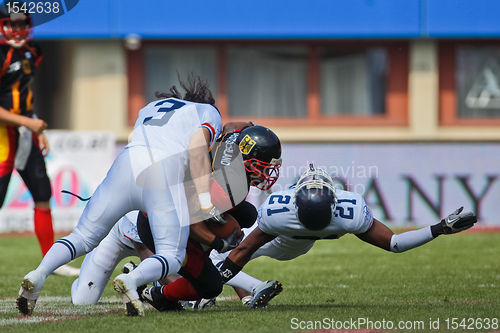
x,y
150,121
282,199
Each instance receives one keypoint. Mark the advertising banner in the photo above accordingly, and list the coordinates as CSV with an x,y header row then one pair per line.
x,y
408,184
77,162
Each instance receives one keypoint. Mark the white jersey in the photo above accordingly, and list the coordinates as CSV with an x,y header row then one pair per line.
x,y
127,227
166,126
277,216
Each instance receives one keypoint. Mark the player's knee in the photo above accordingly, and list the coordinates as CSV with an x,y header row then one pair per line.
x,y
83,296
210,282
42,192
212,290
83,299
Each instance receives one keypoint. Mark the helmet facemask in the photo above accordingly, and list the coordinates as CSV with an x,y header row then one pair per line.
x,y
16,30
316,178
262,174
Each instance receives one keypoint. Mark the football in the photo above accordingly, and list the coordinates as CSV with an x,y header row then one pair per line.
x,y
224,230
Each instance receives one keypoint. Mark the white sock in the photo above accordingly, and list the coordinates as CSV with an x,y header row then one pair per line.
x,y
62,251
244,281
154,268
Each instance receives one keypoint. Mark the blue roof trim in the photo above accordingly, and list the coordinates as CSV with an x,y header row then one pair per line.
x,y
276,19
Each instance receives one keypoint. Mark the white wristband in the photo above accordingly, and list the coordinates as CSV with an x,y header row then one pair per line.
x,y
205,200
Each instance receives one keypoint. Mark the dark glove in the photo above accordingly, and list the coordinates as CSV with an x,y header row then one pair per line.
x,y
232,241
453,223
222,245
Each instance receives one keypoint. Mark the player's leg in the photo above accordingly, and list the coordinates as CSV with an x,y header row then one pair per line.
x,y
114,197
34,174
98,266
200,280
241,280
4,184
168,215
33,171
279,249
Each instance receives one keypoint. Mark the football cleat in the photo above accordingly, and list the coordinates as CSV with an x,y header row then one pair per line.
x,y
31,286
263,293
128,267
127,287
154,296
200,304
66,270
246,300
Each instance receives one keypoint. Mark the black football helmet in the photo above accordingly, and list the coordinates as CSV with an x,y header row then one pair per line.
x,y
315,198
261,151
16,26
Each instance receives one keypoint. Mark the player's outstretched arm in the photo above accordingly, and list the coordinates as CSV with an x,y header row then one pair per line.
x,y
383,237
243,252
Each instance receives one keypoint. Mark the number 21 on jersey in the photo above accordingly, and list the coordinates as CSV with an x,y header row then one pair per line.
x,y
280,199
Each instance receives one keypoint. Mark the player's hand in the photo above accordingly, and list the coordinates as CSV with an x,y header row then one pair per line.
x,y
232,241
36,125
458,221
44,144
214,214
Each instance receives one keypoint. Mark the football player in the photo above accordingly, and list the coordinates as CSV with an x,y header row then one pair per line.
x,y
290,221
170,136
22,141
199,277
123,241
245,155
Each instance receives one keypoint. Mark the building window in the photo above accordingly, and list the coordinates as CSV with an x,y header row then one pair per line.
x,y
267,81
478,82
469,82
353,83
280,83
163,64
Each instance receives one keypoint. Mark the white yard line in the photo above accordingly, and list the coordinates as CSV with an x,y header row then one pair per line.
x,y
58,308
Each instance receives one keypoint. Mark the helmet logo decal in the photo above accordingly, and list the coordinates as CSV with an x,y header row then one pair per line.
x,y
246,145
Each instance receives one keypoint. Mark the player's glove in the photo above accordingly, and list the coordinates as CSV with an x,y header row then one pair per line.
x,y
222,245
453,223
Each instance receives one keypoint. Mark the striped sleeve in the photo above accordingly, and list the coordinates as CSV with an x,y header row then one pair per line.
x,y
211,130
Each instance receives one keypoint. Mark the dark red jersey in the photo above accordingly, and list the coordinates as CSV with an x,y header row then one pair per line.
x,y
17,68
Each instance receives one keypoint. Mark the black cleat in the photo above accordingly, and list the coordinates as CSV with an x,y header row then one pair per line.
x,y
154,296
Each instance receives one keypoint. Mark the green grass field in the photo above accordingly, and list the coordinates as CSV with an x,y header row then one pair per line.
x,y
454,276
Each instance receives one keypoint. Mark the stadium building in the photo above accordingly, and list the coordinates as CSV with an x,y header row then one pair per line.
x,y
399,99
